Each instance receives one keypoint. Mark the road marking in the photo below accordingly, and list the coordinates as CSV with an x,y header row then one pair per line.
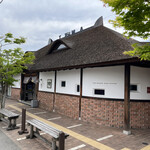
x,y
77,147
74,126
105,137
146,147
40,113
54,118
23,138
78,136
42,133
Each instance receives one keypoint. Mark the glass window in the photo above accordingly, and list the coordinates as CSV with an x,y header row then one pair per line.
x,y
63,83
133,87
78,88
61,46
99,92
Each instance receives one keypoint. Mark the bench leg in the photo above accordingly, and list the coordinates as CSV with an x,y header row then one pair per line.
x,y
37,131
9,124
61,141
14,124
31,131
53,144
1,116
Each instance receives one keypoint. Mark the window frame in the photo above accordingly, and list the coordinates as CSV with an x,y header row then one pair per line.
x,y
62,83
104,92
138,87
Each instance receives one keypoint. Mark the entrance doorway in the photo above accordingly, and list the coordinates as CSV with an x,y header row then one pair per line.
x,y
29,91
29,88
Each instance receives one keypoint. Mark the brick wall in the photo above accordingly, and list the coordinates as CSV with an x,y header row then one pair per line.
x,y
15,93
140,114
67,105
98,111
45,100
102,112
111,113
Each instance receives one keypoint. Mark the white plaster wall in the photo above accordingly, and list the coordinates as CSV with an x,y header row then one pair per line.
x,y
17,84
141,77
72,78
109,78
43,83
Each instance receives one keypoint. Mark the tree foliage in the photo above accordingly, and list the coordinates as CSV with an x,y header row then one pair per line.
x,y
143,52
1,1
134,16
12,62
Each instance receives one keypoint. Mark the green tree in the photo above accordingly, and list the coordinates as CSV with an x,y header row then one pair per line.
x,y
134,17
1,1
12,62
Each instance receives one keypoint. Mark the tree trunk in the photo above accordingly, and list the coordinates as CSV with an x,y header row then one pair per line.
x,y
3,100
3,95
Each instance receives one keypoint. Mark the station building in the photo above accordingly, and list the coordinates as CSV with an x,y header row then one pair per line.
x,y
86,76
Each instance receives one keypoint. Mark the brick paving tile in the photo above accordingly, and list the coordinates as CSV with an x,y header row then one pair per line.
x,y
137,140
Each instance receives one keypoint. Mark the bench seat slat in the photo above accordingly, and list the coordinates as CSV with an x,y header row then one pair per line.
x,y
40,122
48,130
44,127
8,113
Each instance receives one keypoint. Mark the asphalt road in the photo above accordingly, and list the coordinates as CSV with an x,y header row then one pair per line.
x,y
6,143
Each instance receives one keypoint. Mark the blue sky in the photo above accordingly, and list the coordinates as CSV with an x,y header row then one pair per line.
x,y
39,20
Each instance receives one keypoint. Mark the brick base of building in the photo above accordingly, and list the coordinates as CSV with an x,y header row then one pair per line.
x,y
140,114
97,111
45,100
103,112
111,113
67,105
15,93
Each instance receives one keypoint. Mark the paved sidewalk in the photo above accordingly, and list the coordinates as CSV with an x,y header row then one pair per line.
x,y
83,136
6,143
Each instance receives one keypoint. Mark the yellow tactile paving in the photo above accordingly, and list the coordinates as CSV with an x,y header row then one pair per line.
x,y
20,104
146,148
71,133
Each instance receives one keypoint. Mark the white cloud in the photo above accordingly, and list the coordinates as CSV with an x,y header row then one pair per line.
x,y
40,20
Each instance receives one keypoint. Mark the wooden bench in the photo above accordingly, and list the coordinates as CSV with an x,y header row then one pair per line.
x,y
11,118
56,135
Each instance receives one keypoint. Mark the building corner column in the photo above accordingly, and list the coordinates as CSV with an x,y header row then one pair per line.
x,y
81,81
127,129
54,95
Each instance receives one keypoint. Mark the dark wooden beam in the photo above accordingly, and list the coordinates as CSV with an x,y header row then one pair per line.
x,y
81,82
54,95
100,64
37,86
21,87
127,98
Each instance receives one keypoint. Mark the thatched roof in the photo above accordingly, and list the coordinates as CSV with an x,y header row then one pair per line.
x,y
93,46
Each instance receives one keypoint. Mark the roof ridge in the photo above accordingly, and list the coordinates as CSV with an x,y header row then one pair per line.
x,y
120,34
